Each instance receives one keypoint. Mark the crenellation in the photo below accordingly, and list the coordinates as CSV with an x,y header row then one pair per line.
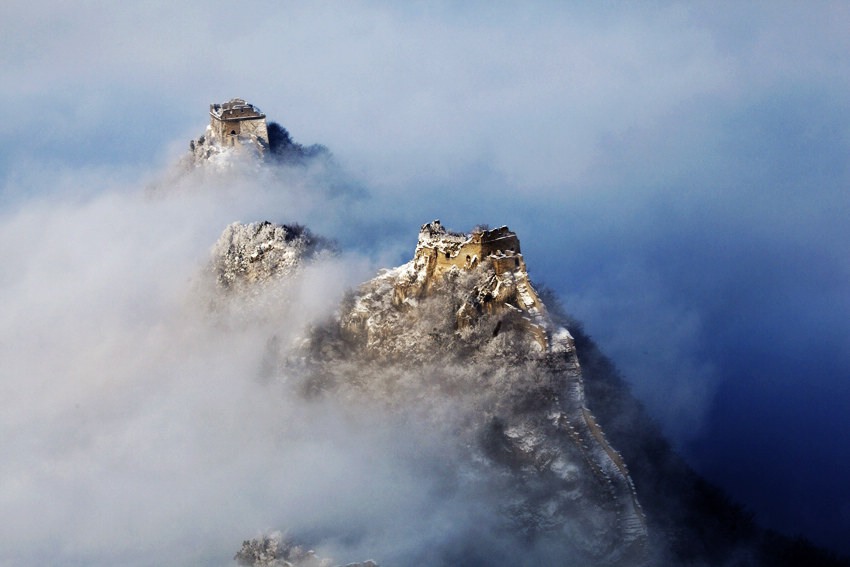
x,y
443,250
237,122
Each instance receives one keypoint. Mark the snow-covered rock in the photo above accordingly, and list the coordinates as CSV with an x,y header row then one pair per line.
x,y
276,550
469,348
458,341
247,256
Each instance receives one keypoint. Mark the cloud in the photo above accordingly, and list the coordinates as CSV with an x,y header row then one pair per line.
x,y
676,172
141,425
137,429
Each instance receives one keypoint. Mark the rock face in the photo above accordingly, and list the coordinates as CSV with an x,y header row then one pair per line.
x,y
275,550
249,256
461,325
458,340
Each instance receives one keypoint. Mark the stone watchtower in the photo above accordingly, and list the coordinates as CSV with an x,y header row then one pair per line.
x,y
237,121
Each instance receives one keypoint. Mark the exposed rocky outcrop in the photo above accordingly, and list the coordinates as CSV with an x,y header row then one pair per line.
x,y
249,256
276,550
458,341
471,333
239,129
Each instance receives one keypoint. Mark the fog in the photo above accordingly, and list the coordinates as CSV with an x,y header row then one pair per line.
x,y
143,425
138,426
677,174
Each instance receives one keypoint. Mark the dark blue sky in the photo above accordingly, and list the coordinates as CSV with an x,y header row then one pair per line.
x,y
676,172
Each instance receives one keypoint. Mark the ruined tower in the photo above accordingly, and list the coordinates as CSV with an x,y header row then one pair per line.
x,y
443,249
238,122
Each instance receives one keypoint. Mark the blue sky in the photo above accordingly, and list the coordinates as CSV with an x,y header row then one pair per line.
x,y
676,172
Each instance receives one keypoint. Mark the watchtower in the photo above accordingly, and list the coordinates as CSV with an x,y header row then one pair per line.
x,y
444,249
238,121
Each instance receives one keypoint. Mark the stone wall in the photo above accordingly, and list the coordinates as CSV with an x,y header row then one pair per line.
x,y
237,121
228,132
440,251
444,250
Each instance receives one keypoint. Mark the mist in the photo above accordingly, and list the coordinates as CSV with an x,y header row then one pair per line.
x,y
139,427
143,425
677,174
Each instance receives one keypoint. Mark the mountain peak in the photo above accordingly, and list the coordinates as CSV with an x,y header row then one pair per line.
x,y
460,325
506,291
237,126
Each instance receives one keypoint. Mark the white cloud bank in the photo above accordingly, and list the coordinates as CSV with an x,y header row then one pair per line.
x,y
704,143
136,429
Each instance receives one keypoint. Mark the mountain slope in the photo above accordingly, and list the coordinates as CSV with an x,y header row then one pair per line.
x,y
463,345
691,521
458,341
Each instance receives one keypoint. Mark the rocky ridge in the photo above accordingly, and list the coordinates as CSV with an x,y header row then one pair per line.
x,y
459,338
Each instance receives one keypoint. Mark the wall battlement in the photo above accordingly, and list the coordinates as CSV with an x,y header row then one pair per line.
x,y
440,251
235,109
443,249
